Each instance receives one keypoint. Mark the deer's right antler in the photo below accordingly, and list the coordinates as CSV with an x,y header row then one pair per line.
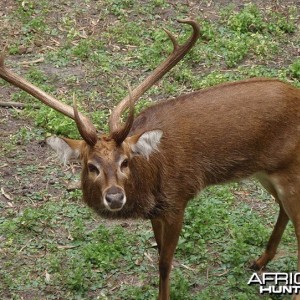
x,y
85,126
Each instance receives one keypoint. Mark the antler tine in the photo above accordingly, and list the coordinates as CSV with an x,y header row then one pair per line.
x,y
121,133
178,53
87,128
172,38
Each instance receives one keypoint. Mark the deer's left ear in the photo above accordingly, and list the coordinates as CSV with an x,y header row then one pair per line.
x,y
144,144
66,149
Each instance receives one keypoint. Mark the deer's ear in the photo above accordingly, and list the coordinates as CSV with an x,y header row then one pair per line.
x,y
66,149
146,143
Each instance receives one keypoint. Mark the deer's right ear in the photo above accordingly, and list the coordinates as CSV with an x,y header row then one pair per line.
x,y
66,149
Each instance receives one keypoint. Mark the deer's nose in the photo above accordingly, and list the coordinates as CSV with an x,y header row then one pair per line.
x,y
114,199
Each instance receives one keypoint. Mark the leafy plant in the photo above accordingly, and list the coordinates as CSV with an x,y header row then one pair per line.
x,y
250,19
294,69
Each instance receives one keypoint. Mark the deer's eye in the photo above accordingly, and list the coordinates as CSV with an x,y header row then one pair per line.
x,y
93,169
124,164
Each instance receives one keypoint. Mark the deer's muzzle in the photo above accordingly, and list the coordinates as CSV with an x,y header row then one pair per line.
x,y
114,198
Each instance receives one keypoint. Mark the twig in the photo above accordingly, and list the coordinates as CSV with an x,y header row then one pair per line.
x,y
222,274
148,256
41,59
17,105
26,245
187,267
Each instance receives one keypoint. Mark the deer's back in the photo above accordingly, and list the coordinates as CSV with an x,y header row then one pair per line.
x,y
229,131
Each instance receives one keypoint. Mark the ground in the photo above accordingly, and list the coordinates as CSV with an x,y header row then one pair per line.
x,y
51,245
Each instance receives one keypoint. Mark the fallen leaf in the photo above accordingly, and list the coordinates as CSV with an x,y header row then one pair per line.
x,y
7,196
47,276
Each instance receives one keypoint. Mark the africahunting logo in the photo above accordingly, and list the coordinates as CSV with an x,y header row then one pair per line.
x,y
276,283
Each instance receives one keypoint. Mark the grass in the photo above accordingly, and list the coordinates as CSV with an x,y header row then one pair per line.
x,y
51,246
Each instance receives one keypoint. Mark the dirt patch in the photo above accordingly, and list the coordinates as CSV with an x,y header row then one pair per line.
x,y
24,162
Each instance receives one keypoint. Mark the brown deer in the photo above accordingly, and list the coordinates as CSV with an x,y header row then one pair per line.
x,y
152,165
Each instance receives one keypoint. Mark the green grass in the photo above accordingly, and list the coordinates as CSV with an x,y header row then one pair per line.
x,y
60,240
248,39
51,246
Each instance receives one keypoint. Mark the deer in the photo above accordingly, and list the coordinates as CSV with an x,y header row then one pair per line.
x,y
150,165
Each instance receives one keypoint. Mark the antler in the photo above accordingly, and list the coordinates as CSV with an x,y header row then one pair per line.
x,y
178,53
85,126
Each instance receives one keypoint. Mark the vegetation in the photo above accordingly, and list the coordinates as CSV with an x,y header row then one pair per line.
x,y
51,245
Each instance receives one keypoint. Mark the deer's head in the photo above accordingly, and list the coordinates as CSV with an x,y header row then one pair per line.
x,y
106,165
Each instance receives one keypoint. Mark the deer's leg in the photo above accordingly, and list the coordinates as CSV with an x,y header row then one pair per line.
x,y
273,242
169,237
290,199
157,227
287,186
279,227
